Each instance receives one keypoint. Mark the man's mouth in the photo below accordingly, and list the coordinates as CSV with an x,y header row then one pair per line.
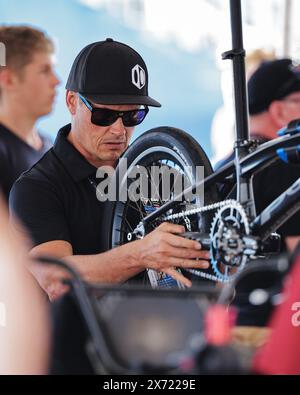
x,y
115,145
115,142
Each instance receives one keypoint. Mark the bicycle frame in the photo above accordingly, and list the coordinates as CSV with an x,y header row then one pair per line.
x,y
247,163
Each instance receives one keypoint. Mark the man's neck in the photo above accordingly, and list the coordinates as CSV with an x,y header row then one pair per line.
x,y
22,125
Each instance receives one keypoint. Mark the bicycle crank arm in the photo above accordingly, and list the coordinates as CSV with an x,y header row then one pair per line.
x,y
202,238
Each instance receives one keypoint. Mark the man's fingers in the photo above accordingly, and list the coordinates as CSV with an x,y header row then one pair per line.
x,y
192,263
178,276
185,263
179,241
171,228
187,253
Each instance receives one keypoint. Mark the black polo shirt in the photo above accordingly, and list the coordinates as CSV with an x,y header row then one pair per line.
x,y
55,199
16,156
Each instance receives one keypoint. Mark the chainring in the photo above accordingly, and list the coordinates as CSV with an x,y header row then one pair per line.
x,y
228,227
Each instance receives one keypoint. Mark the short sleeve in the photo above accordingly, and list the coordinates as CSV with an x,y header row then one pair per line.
x,y
39,209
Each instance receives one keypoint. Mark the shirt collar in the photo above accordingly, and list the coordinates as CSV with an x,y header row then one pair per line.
x,y
76,165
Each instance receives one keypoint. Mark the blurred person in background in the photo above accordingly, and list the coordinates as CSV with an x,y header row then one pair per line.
x,y
27,92
24,326
223,123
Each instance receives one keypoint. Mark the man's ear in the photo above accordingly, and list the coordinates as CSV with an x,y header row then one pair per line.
x,y
71,101
8,78
277,113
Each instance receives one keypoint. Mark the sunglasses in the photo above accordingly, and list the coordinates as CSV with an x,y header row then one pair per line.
x,y
106,117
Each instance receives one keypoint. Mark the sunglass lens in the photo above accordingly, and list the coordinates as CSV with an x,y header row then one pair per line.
x,y
103,117
135,117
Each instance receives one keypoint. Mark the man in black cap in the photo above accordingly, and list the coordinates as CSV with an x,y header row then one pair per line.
x,y
274,97
107,96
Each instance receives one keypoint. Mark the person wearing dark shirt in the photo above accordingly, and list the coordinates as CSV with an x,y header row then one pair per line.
x,y
27,92
55,199
16,156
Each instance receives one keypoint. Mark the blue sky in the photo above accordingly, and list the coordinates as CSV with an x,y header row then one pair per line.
x,y
187,84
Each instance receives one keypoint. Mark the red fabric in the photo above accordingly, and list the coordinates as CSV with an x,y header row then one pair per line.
x,y
281,354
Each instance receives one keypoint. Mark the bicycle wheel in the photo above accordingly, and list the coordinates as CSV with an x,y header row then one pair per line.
x,y
163,147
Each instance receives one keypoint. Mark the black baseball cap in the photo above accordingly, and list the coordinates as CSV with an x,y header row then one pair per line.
x,y
110,72
273,80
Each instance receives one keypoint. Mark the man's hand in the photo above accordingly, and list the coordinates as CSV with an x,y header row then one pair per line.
x,y
164,250
50,279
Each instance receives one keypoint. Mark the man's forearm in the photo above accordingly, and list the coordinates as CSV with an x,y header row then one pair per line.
x,y
114,266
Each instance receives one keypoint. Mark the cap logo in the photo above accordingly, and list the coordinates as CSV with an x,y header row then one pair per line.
x,y
138,76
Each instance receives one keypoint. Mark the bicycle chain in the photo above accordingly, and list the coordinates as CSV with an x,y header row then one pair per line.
x,y
200,210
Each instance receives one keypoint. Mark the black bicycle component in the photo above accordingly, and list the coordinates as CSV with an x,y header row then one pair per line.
x,y
203,239
270,246
258,290
237,55
276,214
290,155
292,128
241,147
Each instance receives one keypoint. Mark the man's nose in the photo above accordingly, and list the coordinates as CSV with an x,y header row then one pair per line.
x,y
55,80
118,127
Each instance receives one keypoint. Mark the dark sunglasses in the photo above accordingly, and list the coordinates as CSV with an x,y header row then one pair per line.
x,y
106,117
